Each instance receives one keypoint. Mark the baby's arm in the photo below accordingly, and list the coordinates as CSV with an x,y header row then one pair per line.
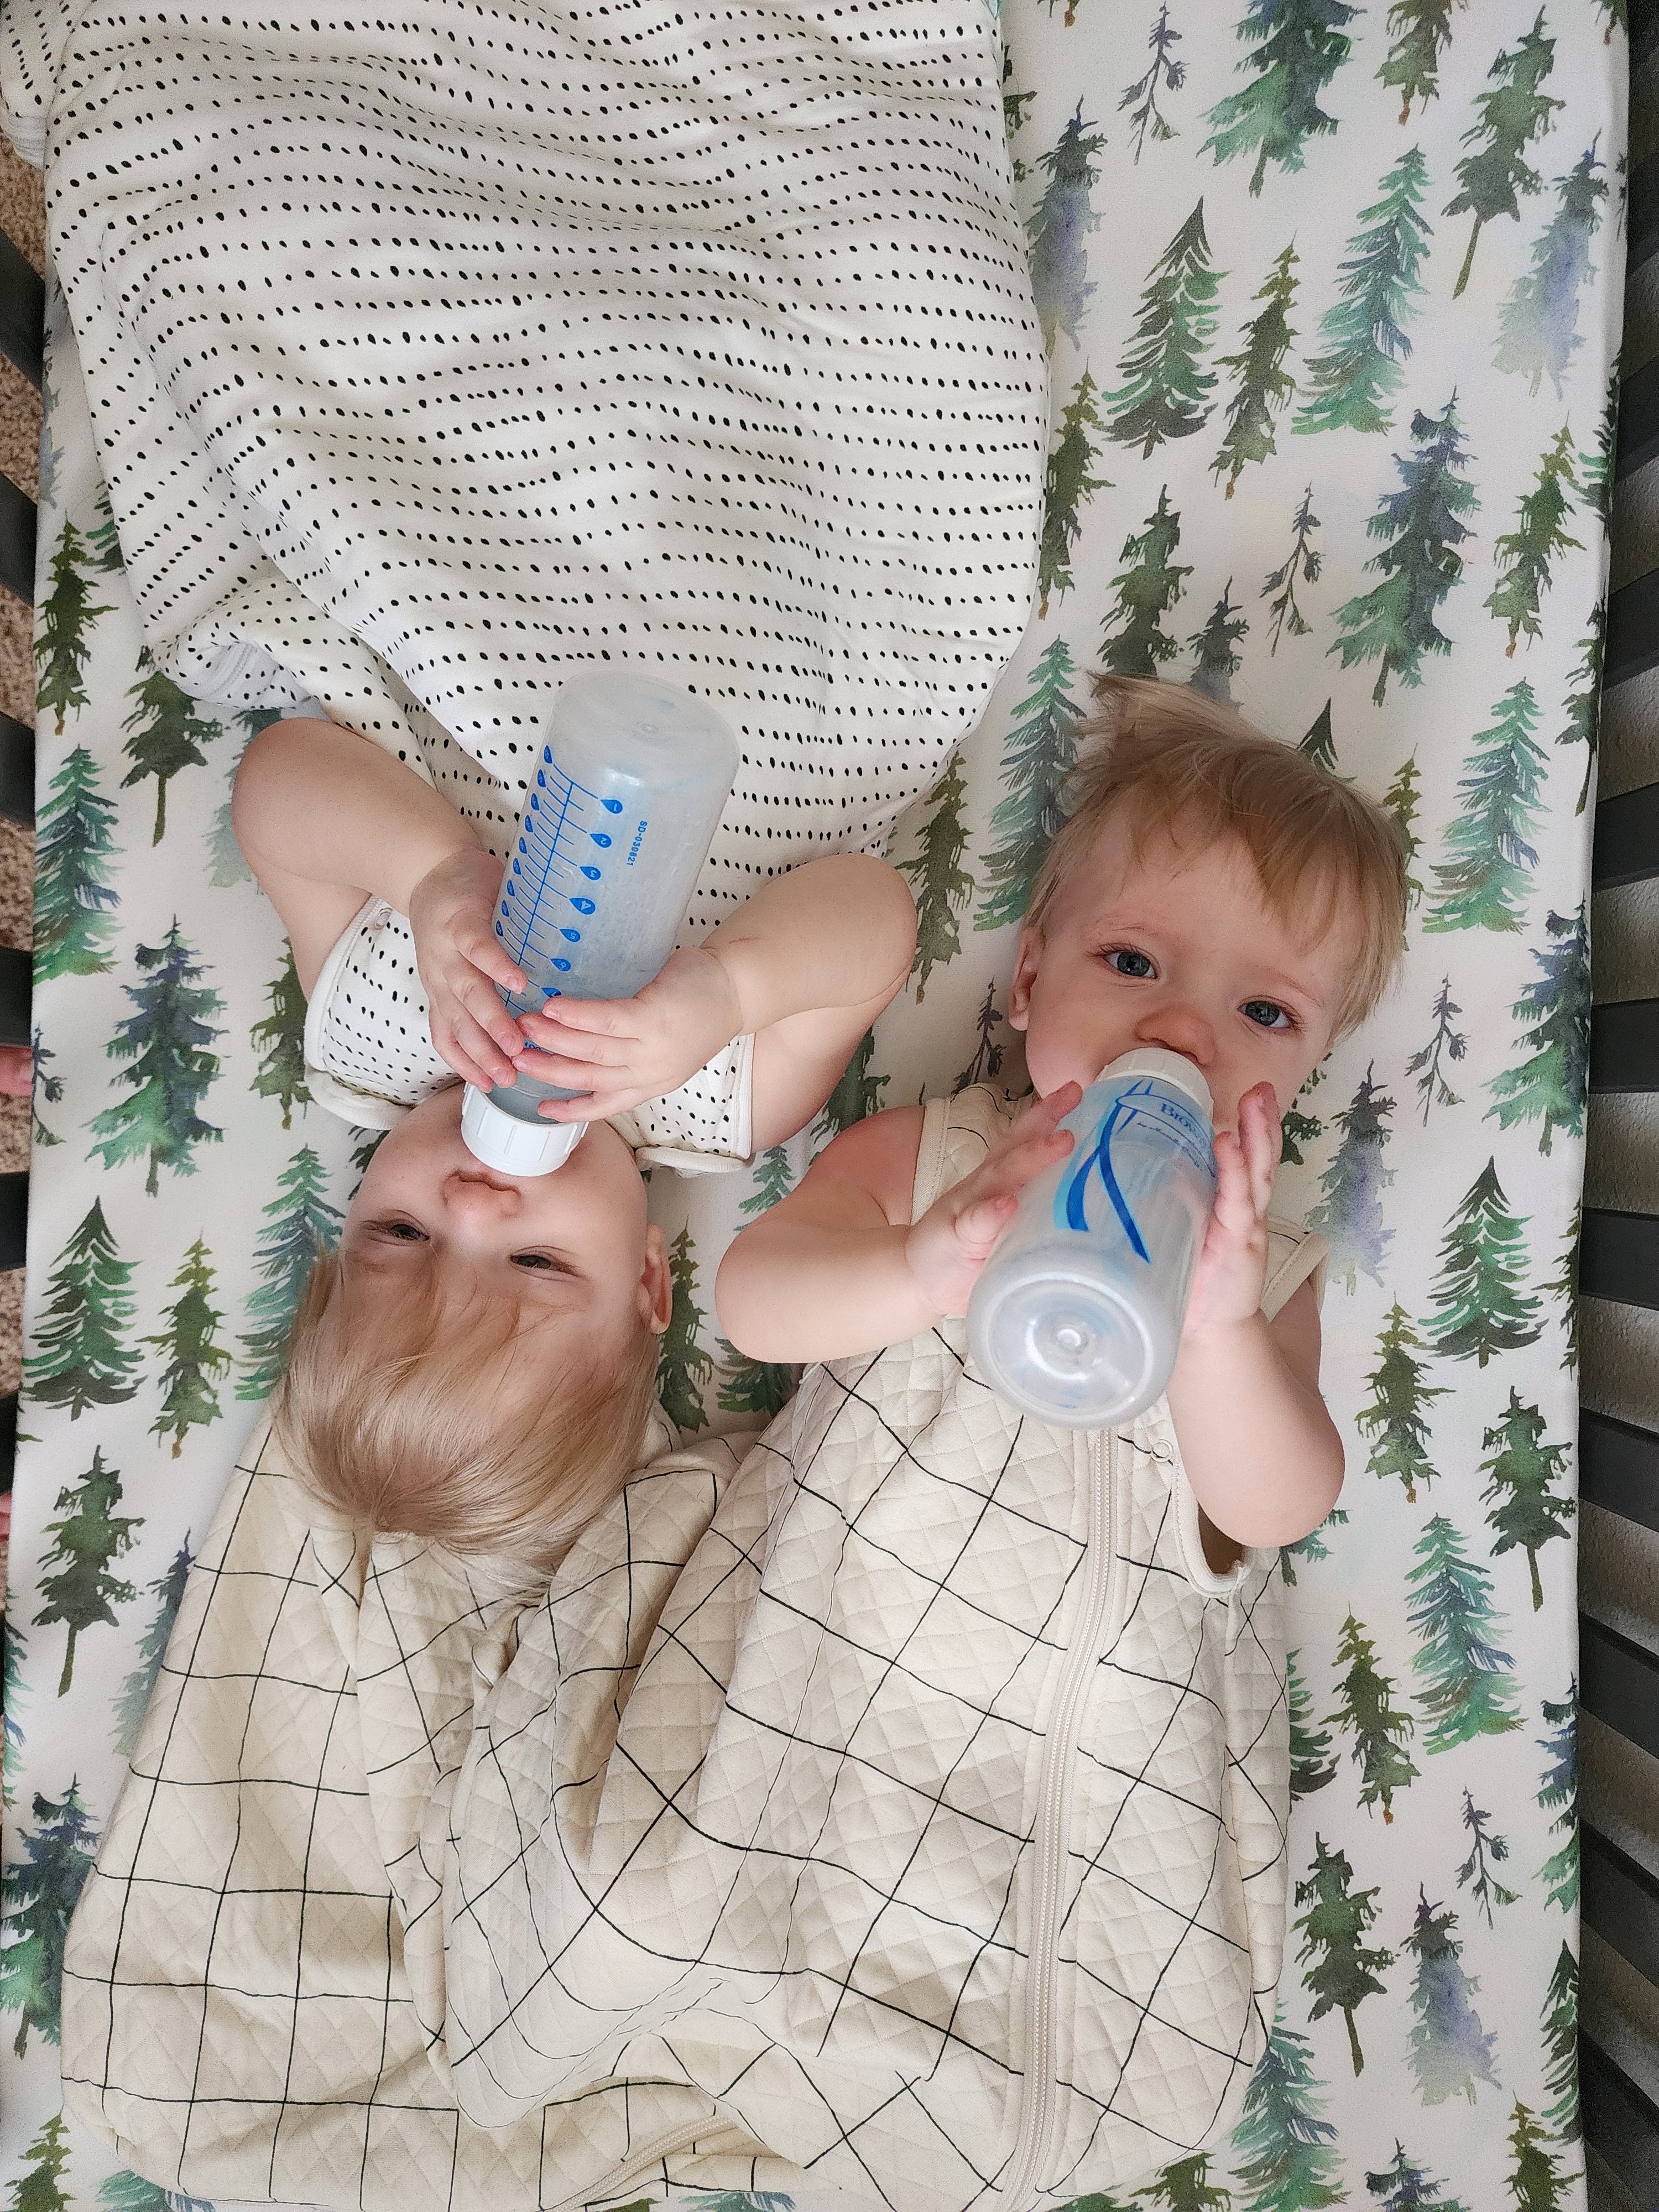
x,y
1260,1451
805,964
326,819
838,1267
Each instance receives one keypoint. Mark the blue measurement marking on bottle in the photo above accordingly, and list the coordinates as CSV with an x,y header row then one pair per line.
x,y
556,829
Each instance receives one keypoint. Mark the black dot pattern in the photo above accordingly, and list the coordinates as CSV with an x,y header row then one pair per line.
x,y
501,339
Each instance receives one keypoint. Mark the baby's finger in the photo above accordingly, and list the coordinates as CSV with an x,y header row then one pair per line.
x,y
979,1226
596,1016
1260,1141
486,952
468,1064
551,1033
1236,1212
478,995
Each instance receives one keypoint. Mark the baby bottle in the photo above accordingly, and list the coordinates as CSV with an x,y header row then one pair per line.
x,y
1077,1316
627,792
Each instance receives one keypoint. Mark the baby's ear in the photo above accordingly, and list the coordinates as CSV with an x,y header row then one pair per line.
x,y
656,1292
1025,968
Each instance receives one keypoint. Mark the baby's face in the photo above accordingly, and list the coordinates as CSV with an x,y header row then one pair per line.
x,y
571,1248
1182,951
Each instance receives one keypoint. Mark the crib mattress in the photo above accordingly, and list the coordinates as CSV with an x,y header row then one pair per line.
x,y
1332,413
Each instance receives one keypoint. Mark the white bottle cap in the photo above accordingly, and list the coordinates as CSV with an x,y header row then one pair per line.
x,y
1169,1067
500,1140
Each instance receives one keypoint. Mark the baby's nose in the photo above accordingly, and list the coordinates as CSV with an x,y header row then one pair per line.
x,y
1178,1026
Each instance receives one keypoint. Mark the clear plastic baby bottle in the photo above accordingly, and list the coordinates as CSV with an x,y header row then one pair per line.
x,y
627,792
1077,1316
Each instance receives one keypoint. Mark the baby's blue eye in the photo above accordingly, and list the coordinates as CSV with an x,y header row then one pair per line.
x,y
1124,960
1266,1014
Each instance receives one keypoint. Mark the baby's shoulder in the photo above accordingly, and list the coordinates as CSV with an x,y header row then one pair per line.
x,y
877,1155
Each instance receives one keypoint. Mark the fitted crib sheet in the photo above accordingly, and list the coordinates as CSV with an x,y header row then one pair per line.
x,y
1331,303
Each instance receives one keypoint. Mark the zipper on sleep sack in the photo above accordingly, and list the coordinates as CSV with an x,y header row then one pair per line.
x,y
1054,1806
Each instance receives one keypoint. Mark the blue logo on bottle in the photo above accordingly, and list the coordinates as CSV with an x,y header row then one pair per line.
x,y
1071,1200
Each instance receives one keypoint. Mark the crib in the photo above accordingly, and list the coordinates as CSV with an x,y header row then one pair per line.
x,y
1234,559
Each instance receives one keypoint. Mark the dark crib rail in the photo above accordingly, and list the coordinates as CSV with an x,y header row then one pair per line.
x,y
1618,1280
23,340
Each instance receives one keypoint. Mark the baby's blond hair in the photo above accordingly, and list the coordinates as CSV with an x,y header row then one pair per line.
x,y
1182,767
406,1419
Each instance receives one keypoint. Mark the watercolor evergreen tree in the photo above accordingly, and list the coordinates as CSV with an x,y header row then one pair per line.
x,y
1396,1414
1481,1308
1560,1292
280,1037
1038,755
63,628
1299,46
1185,2186
1495,176
1583,702
986,1063
45,1089
1525,553
76,1586
1338,1970
1394,623
14,1690
38,2186
753,1386
1405,2186
41,1889
1551,1085
684,1365
1450,2052
1068,484
126,2192
167,735
1349,1214
166,1038
1058,257
195,1360
1216,647
1298,1127
1164,74
79,1359
74,845
1538,330
1420,31
857,1093
1312,1767
941,884
1265,385
303,1225
1402,799
1535,2181
773,1179
1302,564
1145,590
1486,1851
1445,1044
1557,1793
1379,1730
1466,1690
1527,1486
1284,2150
1485,877
1165,388
1352,380
1319,744
1560,2026
133,1701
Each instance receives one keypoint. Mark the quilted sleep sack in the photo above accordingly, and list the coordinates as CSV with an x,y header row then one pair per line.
x,y
903,1815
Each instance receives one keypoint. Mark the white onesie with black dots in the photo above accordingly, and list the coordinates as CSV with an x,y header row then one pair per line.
x,y
369,1056
436,356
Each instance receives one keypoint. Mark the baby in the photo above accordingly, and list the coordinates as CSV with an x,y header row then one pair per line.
x,y
1214,893
476,1363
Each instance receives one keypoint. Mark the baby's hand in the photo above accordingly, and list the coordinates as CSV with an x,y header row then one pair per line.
x,y
620,1052
1233,1266
452,916
947,1248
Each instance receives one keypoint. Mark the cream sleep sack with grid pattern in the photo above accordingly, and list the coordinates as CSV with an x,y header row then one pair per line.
x,y
435,357
899,1812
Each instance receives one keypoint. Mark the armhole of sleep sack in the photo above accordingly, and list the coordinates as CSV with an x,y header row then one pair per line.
x,y
930,1156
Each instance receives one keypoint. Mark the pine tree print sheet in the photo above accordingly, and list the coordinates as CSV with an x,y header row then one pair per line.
x,y
1330,294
